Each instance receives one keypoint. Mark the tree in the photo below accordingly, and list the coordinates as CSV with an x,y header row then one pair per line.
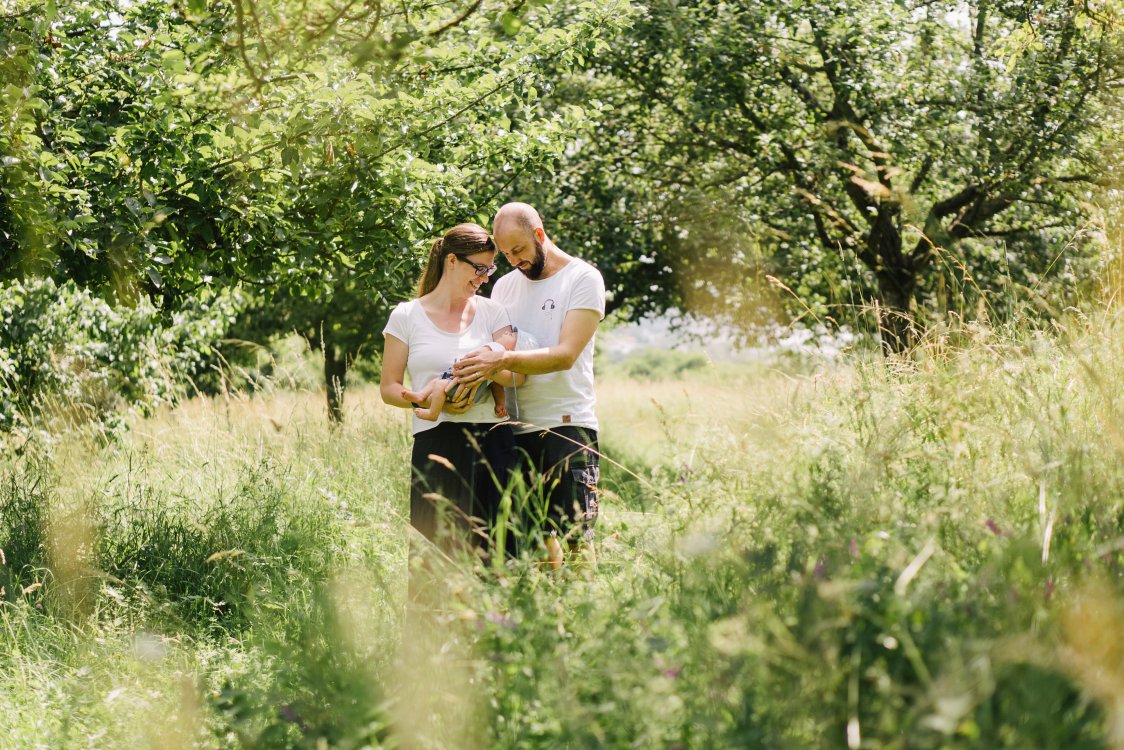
x,y
111,164
866,152
407,136
306,150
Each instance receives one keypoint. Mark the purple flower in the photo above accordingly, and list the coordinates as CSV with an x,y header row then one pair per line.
x,y
497,618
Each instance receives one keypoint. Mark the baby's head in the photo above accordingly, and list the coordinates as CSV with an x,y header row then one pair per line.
x,y
509,337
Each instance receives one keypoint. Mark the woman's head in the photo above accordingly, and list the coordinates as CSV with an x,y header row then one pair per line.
x,y
465,251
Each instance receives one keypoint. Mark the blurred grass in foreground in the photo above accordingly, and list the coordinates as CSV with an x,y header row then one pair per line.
x,y
871,554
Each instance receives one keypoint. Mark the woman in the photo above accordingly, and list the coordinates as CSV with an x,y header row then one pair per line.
x,y
460,461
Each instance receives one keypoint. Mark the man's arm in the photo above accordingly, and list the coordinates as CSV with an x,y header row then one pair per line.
x,y
577,331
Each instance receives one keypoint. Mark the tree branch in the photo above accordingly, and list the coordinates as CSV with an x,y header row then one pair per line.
x,y
240,23
1015,231
456,21
329,25
922,173
797,86
956,202
27,12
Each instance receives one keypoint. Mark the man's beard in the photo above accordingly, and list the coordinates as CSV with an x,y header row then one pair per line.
x,y
537,265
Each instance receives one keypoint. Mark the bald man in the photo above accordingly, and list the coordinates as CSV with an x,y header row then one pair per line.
x,y
560,300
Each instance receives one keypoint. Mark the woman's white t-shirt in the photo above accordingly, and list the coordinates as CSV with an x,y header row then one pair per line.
x,y
432,351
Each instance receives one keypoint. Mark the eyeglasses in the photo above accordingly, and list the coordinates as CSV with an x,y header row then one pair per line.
x,y
481,270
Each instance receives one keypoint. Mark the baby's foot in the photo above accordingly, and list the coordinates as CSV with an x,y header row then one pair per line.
x,y
429,415
415,397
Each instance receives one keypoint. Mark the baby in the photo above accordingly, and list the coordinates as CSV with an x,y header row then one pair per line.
x,y
431,399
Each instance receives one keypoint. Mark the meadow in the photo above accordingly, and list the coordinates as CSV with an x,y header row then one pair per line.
x,y
860,553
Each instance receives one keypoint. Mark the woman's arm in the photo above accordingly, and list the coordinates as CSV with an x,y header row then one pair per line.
x,y
394,355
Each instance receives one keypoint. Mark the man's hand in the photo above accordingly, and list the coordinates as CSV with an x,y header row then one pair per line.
x,y
478,366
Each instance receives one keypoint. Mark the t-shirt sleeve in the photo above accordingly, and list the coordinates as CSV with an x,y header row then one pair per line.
x,y
497,316
588,292
398,325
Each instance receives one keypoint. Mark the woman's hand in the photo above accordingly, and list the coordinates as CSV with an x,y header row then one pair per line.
x,y
463,399
457,407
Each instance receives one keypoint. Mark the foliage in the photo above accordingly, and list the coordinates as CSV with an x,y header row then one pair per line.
x,y
116,160
872,554
23,512
927,157
215,558
659,364
68,357
153,149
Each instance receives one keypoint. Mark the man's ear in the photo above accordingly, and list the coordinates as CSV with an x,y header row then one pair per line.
x,y
540,234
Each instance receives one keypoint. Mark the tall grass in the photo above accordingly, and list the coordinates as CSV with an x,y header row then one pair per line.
x,y
864,554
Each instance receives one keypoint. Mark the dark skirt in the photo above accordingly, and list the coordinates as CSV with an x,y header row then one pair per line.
x,y
459,471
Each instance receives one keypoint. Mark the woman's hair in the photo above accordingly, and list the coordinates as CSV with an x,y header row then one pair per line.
x,y
462,240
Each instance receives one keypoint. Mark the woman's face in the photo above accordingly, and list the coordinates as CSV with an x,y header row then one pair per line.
x,y
472,271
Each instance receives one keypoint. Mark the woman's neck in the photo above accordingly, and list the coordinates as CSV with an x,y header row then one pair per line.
x,y
444,297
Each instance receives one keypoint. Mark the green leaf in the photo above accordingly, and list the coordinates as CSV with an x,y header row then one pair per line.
x,y
511,23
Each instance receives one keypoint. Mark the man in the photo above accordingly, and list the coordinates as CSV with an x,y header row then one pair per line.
x,y
559,300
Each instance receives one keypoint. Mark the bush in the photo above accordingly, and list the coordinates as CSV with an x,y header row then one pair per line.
x,y
331,696
68,358
662,364
213,558
23,545
203,560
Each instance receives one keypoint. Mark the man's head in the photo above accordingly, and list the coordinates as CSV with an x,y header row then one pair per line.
x,y
519,235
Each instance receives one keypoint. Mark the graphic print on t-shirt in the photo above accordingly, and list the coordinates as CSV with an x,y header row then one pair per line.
x,y
548,309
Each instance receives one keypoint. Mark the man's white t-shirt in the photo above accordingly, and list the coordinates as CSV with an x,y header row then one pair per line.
x,y
539,307
432,351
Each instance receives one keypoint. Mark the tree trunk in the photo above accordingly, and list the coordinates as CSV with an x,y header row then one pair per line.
x,y
896,325
335,378
897,280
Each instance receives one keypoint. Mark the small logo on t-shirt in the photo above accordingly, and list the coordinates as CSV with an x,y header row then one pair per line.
x,y
548,309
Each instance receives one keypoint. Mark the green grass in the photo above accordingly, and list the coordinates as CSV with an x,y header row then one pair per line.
x,y
880,554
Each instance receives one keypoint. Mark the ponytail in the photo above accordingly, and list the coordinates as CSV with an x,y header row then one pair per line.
x,y
462,240
434,267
